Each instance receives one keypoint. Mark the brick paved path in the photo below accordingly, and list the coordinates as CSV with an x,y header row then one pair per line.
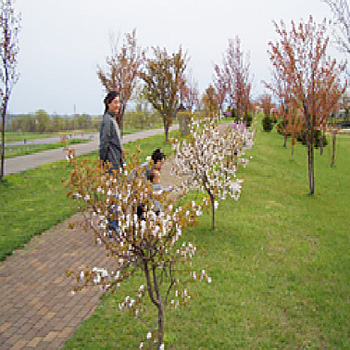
x,y
37,307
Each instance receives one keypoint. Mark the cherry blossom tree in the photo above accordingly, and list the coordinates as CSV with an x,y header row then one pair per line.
x,y
208,159
150,242
9,28
299,56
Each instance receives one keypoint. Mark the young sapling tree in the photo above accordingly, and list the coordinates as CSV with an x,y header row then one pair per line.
x,y
208,159
150,242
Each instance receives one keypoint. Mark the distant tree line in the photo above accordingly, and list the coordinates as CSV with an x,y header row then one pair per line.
x,y
42,122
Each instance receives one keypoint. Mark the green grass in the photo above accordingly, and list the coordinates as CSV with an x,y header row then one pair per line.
x,y
279,261
35,200
20,136
21,150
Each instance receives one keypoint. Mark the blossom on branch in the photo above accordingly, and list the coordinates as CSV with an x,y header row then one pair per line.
x,y
119,208
209,159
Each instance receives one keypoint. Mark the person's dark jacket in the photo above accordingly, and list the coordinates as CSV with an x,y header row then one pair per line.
x,y
110,144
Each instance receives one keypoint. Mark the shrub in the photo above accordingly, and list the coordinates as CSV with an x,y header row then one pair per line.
x,y
248,119
267,123
318,136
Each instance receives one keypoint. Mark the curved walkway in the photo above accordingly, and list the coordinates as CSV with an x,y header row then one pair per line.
x,y
22,163
37,307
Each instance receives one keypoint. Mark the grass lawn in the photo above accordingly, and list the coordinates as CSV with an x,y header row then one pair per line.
x,y
35,200
279,261
20,136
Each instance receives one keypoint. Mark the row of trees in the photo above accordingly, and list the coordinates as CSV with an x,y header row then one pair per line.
x,y
167,85
306,83
41,122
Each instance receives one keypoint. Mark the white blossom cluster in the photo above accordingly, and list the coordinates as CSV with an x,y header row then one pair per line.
x,y
209,158
120,209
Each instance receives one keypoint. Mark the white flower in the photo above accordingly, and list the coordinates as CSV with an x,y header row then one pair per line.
x,y
209,280
149,335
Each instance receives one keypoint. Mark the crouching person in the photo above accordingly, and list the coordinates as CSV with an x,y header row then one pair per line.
x,y
158,189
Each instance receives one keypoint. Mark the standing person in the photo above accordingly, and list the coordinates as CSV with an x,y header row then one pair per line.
x,y
111,150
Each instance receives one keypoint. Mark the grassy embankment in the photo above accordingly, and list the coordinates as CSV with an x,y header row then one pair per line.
x,y
279,261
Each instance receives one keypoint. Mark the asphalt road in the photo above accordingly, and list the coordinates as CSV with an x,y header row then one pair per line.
x,y
22,163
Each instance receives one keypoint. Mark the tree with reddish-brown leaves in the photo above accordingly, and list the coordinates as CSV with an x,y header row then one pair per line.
x,y
236,70
294,126
210,102
9,27
281,91
300,56
266,103
123,67
220,85
163,77
190,94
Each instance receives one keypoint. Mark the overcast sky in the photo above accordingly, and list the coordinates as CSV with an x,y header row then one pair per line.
x,y
62,42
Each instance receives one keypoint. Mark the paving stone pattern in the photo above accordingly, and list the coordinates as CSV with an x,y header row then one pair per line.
x,y
37,307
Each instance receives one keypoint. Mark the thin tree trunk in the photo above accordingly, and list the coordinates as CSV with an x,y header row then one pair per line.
x,y
166,128
212,199
161,322
160,307
3,116
321,143
310,151
285,134
166,133
311,169
310,160
334,139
